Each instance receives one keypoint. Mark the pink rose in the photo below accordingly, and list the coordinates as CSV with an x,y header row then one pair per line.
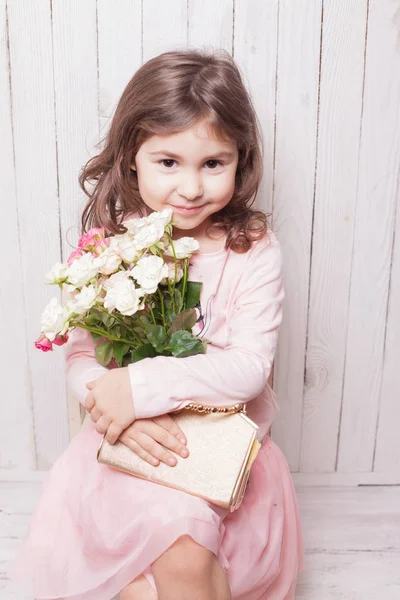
x,y
60,340
75,254
42,343
91,237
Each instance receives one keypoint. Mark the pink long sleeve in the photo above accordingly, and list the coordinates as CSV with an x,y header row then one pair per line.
x,y
81,364
238,372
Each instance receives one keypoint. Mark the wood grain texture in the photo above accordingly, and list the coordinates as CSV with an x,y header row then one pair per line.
x,y
340,110
324,78
350,538
293,197
33,121
372,265
120,49
16,451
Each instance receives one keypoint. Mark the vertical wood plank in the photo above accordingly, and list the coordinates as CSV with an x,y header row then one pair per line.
x,y
16,424
379,191
36,179
210,24
76,103
120,49
342,69
255,52
165,26
294,177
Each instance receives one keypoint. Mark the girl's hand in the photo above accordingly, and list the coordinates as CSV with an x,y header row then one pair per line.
x,y
149,438
110,403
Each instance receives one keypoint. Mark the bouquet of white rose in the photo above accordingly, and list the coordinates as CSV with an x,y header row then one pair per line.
x,y
131,291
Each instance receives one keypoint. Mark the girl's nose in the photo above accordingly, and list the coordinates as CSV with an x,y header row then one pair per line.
x,y
190,186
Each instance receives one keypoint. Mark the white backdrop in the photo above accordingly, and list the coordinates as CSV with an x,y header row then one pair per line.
x,y
325,78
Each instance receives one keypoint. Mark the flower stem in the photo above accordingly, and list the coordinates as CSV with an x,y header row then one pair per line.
x,y
105,334
175,270
121,320
152,315
162,306
185,276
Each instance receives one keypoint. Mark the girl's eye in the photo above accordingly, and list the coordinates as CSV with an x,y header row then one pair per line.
x,y
167,160
171,160
216,163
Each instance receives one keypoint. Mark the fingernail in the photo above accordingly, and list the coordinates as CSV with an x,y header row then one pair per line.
x,y
171,461
182,440
184,452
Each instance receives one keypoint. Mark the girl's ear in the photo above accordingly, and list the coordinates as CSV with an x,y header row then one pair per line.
x,y
132,166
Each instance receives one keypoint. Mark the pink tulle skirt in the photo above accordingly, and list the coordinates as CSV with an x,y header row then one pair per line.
x,y
96,529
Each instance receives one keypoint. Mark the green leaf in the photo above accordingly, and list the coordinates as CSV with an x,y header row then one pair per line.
x,y
145,351
108,320
184,320
120,349
104,352
193,292
93,317
157,336
184,343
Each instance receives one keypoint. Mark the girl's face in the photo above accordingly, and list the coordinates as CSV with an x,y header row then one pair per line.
x,y
189,171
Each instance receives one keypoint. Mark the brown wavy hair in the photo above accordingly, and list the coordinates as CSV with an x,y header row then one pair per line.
x,y
166,95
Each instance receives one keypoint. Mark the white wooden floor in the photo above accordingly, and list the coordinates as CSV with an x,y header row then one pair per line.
x,y
351,534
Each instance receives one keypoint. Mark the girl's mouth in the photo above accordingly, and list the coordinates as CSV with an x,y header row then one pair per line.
x,y
190,210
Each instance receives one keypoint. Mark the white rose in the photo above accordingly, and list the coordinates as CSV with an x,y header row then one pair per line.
x,y
163,217
149,235
57,273
53,319
123,296
135,225
171,273
184,247
124,245
85,299
108,261
148,272
82,270
111,281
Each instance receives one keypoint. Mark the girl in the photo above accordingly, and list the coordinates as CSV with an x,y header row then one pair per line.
x,y
184,135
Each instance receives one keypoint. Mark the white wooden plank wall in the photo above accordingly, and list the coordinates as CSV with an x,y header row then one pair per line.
x,y
325,79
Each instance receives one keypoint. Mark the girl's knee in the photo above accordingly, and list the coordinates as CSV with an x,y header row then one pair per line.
x,y
185,559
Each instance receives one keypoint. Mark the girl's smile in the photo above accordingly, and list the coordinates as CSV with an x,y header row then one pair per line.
x,y
187,210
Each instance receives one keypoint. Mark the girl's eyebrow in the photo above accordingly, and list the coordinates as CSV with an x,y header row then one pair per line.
x,y
173,155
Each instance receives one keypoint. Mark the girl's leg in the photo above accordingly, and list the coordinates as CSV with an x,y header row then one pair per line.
x,y
188,571
138,589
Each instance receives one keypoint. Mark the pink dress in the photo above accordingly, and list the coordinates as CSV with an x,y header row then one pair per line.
x,y
96,529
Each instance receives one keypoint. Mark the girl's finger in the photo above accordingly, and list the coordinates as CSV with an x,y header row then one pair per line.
x,y
95,414
113,432
102,424
149,445
169,424
165,438
137,449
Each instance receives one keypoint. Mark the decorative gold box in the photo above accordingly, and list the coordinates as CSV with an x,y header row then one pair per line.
x,y
222,449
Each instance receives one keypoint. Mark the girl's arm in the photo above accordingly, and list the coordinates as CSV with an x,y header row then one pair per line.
x,y
81,364
237,373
